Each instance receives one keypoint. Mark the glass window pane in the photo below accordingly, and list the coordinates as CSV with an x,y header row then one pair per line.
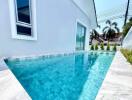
x,y
80,37
21,30
23,10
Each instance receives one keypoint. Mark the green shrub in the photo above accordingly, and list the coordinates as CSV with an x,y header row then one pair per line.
x,y
128,54
129,58
127,27
102,46
114,47
92,47
96,47
108,46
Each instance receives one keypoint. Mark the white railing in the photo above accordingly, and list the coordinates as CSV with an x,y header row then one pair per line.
x,y
127,42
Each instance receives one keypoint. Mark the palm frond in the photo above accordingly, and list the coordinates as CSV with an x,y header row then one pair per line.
x,y
99,26
117,29
105,28
108,22
114,24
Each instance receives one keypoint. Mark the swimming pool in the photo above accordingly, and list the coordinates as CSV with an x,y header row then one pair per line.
x,y
75,76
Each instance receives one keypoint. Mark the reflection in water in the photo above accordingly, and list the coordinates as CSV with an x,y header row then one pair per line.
x,y
84,62
83,65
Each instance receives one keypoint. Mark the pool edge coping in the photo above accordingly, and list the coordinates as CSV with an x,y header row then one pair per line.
x,y
99,95
13,81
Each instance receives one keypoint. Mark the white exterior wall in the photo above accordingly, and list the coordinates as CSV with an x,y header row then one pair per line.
x,y
87,7
56,28
127,42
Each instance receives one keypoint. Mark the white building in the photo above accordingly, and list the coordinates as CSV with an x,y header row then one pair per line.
x,y
31,27
127,42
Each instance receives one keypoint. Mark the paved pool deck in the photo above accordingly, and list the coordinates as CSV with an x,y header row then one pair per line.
x,y
117,84
10,88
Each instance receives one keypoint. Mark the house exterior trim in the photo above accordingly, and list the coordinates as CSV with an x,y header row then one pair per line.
x,y
13,22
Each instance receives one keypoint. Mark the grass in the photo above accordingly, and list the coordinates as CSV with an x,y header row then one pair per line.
x,y
128,54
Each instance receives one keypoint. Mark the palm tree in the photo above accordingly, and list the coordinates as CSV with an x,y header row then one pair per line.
x,y
110,30
94,33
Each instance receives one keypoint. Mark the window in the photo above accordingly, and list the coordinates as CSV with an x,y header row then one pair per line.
x,y
23,24
23,17
23,10
23,30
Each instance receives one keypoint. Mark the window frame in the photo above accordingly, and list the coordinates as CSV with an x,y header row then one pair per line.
x,y
14,23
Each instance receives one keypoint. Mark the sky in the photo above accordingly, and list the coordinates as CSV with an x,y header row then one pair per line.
x,y
104,5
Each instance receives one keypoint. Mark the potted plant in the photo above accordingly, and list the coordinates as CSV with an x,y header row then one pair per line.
x,y
102,46
96,46
92,47
108,46
114,47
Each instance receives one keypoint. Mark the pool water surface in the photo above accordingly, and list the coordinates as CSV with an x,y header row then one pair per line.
x,y
64,77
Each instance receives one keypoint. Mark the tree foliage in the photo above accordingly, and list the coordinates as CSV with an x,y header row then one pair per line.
x,y
110,30
126,27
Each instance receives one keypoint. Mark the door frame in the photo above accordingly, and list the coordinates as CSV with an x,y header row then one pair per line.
x,y
78,21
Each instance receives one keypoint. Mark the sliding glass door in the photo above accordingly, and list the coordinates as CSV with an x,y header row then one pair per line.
x,y
80,37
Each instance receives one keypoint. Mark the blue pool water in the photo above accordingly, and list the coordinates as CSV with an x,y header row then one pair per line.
x,y
69,77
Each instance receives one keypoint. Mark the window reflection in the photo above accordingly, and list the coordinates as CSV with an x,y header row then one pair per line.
x,y
23,11
21,30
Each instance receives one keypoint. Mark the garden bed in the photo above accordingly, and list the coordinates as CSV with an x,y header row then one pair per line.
x,y
128,54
